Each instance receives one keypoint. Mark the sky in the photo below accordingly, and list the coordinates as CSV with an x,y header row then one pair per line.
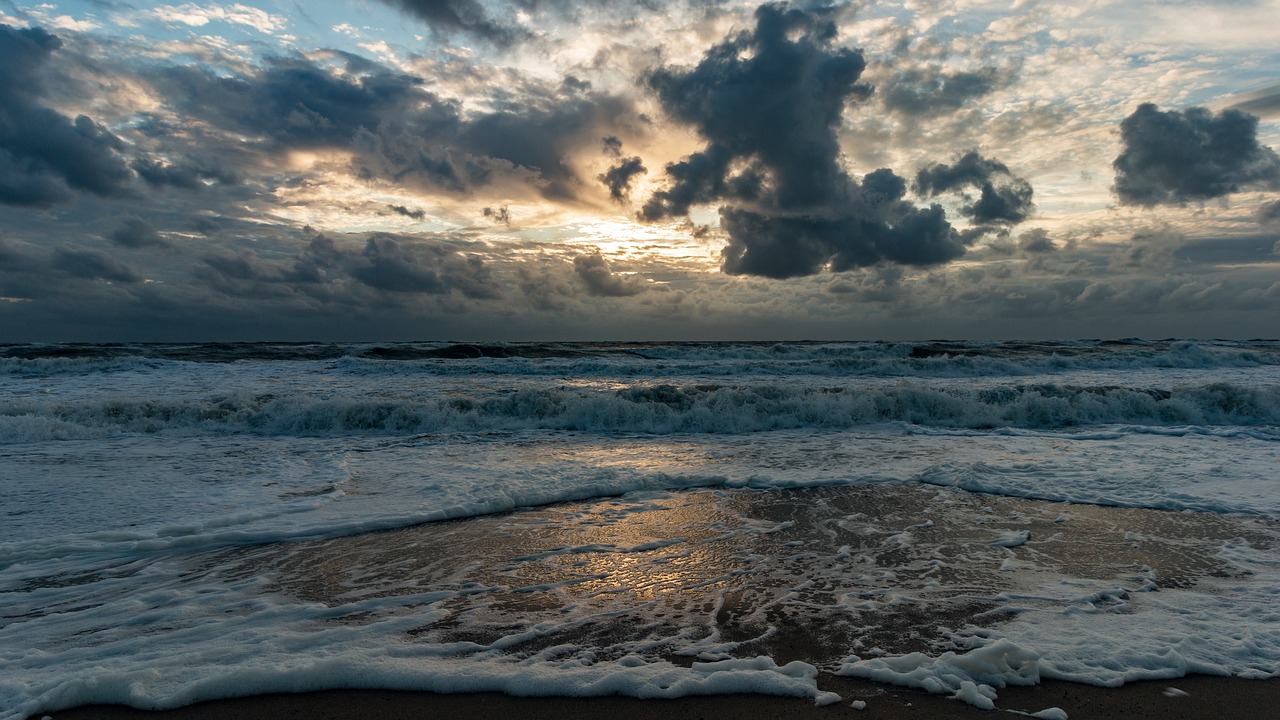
x,y
386,170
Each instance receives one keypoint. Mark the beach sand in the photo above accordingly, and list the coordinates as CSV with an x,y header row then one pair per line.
x,y
814,575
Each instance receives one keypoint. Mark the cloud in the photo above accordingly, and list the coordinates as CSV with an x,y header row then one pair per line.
x,y
389,265
1268,214
1005,197
204,224
500,215
299,103
1263,103
882,283
93,265
1193,155
406,265
541,138
44,154
415,214
194,15
1228,250
183,175
247,266
398,129
601,281
27,183
768,103
1151,249
934,91
782,246
1036,241
543,289
618,178
501,23
135,232
468,16
391,269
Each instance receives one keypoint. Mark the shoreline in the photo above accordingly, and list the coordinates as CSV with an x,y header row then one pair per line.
x,y
572,600
1193,697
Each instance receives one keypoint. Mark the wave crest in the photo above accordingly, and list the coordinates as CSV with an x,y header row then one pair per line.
x,y
661,408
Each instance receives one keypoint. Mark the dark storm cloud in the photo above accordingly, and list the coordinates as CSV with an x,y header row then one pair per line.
x,y
416,214
543,289
247,266
933,90
471,276
18,268
408,156
405,265
573,84
183,175
93,265
469,16
204,225
155,173
398,129
1036,241
387,264
25,183
300,103
392,269
500,215
611,146
618,178
1228,250
882,283
1193,155
541,138
1268,215
701,178
135,232
1004,197
44,154
600,279
768,103
760,96
1263,103
496,21
1151,249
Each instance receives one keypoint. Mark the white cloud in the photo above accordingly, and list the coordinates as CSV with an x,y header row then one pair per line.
x,y
66,22
43,15
198,16
1239,26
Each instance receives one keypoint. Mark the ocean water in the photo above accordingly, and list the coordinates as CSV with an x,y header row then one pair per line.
x,y
185,522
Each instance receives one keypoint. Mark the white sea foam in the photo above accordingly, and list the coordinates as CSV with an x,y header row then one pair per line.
x,y
645,408
277,619
1073,630
121,463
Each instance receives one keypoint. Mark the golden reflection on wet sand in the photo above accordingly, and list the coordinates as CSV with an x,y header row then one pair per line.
x,y
812,574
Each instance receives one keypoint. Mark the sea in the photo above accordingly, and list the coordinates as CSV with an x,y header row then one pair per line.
x,y
184,522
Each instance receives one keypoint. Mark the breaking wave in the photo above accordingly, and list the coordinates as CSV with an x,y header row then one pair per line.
x,y
660,409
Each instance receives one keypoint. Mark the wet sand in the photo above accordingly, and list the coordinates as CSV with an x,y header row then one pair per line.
x,y
1195,697
813,575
